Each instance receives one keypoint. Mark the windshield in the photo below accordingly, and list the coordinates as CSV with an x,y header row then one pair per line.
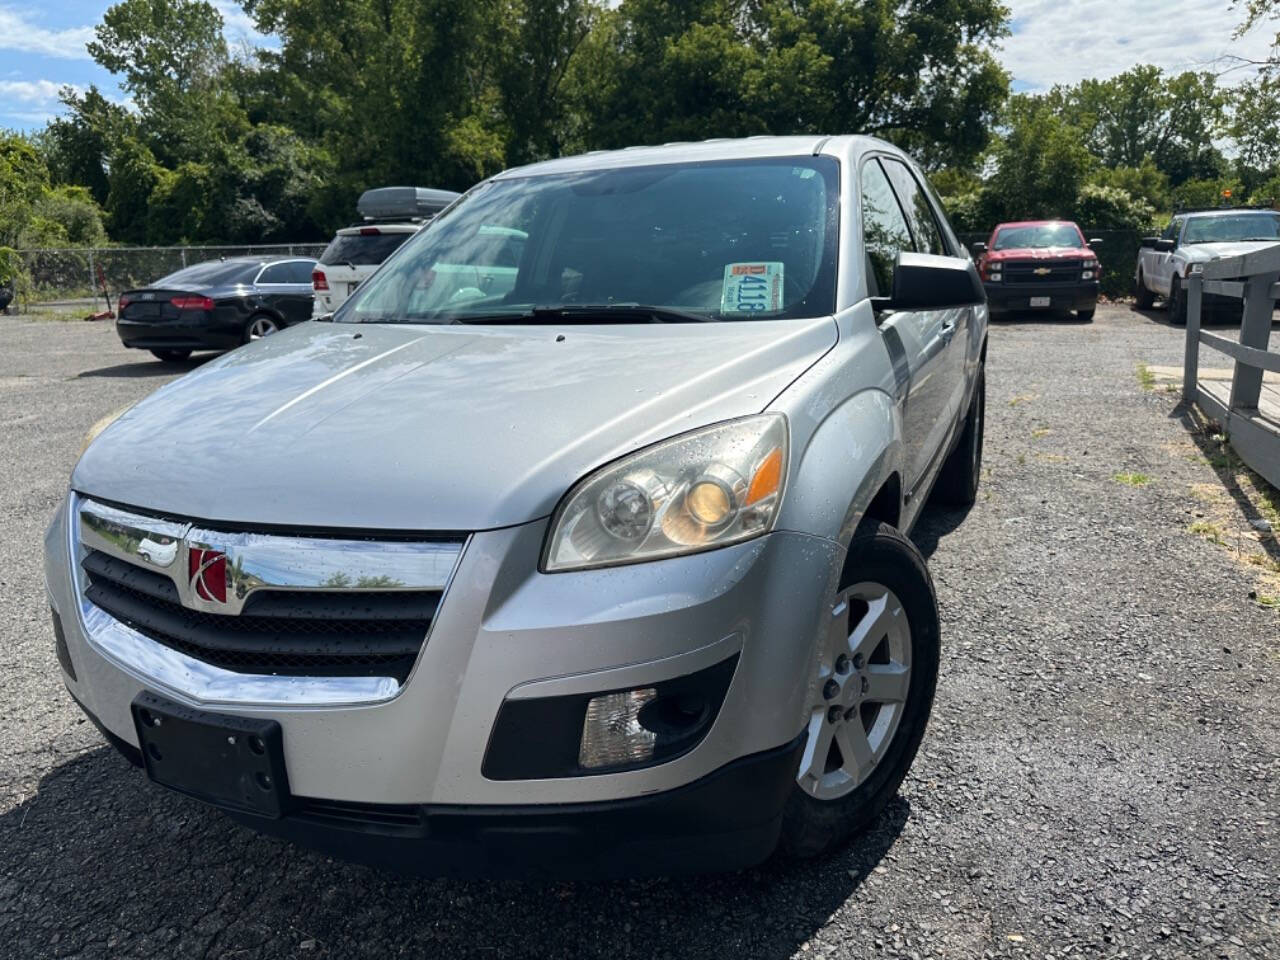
x,y
1037,236
212,273
363,249
730,240
1245,226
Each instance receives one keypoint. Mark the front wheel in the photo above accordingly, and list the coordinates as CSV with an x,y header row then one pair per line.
x,y
871,693
1177,302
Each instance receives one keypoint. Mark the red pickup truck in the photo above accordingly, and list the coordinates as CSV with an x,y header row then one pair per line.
x,y
1039,265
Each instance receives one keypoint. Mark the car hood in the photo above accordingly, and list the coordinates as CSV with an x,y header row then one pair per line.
x,y
1039,253
1202,252
430,428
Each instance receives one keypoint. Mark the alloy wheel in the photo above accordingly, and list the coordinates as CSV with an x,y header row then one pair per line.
x,y
262,327
864,673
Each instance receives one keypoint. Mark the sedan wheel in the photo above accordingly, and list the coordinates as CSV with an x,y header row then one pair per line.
x,y
864,676
260,327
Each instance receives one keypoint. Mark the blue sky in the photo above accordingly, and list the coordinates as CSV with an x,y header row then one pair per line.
x,y
1054,41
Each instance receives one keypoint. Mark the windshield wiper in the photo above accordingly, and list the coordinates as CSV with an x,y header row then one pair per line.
x,y
592,313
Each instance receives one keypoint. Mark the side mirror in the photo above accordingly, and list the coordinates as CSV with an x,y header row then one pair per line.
x,y
978,248
1094,241
922,281
1149,243
1164,246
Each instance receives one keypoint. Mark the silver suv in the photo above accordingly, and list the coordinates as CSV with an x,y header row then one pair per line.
x,y
604,570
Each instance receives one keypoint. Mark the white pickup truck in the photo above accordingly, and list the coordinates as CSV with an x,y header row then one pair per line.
x,y
1196,237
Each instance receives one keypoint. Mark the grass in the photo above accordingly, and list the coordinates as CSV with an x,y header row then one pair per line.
x,y
1132,479
1146,379
1021,399
1040,432
1209,530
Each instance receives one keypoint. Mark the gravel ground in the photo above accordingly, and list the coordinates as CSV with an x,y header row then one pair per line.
x,y
1099,779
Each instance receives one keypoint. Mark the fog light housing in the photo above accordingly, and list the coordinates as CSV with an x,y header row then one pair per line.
x,y
1087,275
604,731
612,734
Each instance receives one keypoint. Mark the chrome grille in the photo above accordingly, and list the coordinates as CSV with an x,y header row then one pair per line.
x,y
350,615
1042,271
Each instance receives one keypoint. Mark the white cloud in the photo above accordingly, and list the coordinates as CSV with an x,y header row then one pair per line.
x,y
31,102
1060,42
18,31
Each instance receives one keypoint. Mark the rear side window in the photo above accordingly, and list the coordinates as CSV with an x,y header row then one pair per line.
x,y
276,273
212,273
300,271
884,228
923,225
362,249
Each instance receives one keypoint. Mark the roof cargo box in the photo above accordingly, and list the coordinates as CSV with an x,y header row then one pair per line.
x,y
388,203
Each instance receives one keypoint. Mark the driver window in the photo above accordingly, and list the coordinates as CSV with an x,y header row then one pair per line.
x,y
884,229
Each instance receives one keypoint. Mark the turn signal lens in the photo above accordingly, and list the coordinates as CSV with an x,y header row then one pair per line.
x,y
767,479
611,731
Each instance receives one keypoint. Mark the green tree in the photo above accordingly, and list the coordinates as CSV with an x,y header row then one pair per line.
x,y
920,73
1040,165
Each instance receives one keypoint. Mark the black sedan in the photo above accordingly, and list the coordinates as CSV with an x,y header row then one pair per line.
x,y
216,305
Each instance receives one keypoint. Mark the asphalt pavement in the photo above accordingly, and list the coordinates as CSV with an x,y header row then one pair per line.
x,y
1100,778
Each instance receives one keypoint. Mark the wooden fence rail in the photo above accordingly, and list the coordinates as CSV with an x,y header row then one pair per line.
x,y
1249,415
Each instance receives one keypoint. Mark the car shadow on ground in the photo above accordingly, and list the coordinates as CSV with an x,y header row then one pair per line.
x,y
1204,433
1217,318
935,522
1057,318
149,368
98,854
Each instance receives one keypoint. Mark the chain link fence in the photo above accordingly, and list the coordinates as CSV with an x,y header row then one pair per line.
x,y
1117,253
76,274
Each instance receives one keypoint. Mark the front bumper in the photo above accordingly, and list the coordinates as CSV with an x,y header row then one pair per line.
x,y
1010,297
505,632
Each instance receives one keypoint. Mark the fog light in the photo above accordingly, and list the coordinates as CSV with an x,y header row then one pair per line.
x,y
611,730
1087,275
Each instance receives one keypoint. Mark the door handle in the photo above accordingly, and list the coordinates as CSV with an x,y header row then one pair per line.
x,y
948,331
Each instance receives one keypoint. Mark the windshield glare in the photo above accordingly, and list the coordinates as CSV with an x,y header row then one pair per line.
x,y
1248,226
731,240
1041,235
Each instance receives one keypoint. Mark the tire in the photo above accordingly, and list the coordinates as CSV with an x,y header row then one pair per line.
x,y
1177,303
958,480
171,356
827,809
1086,316
1142,294
260,325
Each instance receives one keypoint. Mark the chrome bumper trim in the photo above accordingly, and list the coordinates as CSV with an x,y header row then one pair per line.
x,y
185,677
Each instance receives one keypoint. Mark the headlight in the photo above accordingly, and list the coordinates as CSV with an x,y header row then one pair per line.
x,y
704,489
1090,264
1195,268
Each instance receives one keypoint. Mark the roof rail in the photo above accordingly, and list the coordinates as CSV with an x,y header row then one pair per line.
x,y
1265,205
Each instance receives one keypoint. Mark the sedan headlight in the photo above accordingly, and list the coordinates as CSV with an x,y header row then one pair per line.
x,y
704,489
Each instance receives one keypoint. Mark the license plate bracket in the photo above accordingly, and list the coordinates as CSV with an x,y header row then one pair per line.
x,y
1041,301
232,762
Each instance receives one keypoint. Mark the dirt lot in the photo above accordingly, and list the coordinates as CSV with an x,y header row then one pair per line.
x,y
1100,777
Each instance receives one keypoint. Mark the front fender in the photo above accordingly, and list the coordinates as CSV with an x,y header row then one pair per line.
x,y
851,454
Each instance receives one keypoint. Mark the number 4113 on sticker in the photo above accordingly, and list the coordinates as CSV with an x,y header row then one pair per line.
x,y
752,287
